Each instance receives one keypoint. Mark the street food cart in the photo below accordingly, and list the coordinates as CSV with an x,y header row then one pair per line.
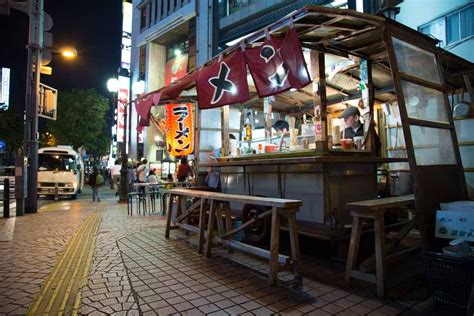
x,y
394,77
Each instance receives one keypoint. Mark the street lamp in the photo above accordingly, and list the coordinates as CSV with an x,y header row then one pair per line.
x,y
113,85
68,52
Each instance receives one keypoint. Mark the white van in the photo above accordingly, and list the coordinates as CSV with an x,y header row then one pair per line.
x,y
60,167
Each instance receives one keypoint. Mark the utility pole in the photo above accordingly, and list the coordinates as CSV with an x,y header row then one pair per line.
x,y
123,196
35,44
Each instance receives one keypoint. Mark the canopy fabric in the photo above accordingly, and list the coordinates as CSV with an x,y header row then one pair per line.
x,y
224,81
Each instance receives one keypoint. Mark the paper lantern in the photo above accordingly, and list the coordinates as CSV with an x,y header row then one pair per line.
x,y
179,129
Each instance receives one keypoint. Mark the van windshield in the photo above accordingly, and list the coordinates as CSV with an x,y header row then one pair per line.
x,y
7,172
56,162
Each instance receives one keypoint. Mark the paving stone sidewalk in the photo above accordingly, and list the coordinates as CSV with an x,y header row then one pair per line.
x,y
136,271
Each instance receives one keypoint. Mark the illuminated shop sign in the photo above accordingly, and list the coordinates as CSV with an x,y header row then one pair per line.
x,y
126,35
179,129
5,89
123,97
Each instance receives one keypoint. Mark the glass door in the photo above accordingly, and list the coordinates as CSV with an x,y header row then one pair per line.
x,y
427,125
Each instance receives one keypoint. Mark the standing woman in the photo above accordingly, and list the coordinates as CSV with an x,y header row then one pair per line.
x,y
184,170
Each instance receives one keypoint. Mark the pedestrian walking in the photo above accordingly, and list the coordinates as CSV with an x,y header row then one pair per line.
x,y
96,181
115,173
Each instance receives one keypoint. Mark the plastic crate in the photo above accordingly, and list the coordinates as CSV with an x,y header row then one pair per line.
x,y
451,278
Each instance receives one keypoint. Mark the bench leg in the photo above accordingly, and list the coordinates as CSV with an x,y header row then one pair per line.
x,y
163,204
138,205
202,226
168,218
181,209
274,247
295,245
145,206
380,256
228,221
220,220
210,228
353,247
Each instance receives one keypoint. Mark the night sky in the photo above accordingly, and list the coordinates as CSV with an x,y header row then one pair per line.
x,y
92,27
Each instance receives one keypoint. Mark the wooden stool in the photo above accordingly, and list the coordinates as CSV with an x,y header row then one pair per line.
x,y
374,210
380,277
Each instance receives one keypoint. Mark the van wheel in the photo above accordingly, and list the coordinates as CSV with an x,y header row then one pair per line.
x,y
259,232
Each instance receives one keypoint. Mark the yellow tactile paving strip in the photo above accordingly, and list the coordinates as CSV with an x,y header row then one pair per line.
x,y
61,292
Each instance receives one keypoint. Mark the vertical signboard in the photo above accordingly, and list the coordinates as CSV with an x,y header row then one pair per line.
x,y
123,94
126,35
5,89
179,129
123,97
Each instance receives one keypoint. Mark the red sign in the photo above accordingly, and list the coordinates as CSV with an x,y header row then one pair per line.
x,y
176,69
223,82
269,72
179,129
292,54
122,99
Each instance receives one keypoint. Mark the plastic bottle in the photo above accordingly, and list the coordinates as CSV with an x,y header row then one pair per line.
x,y
248,129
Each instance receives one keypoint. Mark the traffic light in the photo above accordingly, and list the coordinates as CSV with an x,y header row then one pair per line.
x,y
47,40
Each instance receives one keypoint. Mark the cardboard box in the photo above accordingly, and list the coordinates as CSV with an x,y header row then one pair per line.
x,y
455,224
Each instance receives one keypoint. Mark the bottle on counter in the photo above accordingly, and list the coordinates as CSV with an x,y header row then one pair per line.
x,y
248,129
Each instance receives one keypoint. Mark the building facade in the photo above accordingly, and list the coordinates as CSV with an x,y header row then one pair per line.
x,y
165,42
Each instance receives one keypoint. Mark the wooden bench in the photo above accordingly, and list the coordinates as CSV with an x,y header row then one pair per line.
x,y
375,210
218,207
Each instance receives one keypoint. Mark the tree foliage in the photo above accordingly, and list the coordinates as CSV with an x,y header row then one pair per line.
x,y
11,129
82,121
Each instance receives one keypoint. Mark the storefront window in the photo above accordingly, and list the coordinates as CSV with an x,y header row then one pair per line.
x,y
143,17
228,7
415,61
142,63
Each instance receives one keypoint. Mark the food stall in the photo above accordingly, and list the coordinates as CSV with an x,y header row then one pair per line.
x,y
325,106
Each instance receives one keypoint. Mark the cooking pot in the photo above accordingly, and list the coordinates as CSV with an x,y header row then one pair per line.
x,y
400,182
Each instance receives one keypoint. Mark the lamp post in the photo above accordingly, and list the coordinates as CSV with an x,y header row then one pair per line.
x,y
30,142
35,43
113,86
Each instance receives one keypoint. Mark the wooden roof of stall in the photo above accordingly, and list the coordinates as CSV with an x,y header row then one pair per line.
x,y
345,33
